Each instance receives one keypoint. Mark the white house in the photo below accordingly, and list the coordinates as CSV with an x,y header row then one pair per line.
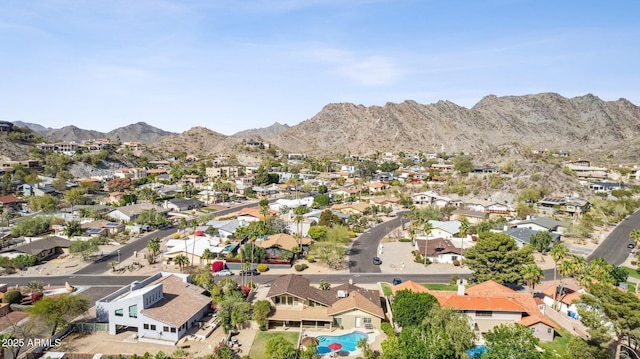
x,y
445,229
162,308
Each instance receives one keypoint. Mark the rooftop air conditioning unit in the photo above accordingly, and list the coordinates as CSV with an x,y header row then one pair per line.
x,y
343,294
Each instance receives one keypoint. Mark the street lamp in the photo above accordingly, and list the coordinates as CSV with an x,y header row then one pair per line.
x,y
118,256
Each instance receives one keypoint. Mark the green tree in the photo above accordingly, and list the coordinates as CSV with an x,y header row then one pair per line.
x,y
541,240
320,201
317,233
532,275
251,253
75,196
223,351
57,311
84,248
261,310
463,164
511,341
279,348
32,226
73,228
496,257
578,348
309,352
411,308
611,314
44,203
444,334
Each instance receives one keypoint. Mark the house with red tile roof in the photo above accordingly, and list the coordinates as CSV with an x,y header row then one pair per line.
x,y
299,304
562,294
162,308
490,304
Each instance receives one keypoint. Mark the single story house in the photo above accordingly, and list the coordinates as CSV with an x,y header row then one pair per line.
x,y
41,248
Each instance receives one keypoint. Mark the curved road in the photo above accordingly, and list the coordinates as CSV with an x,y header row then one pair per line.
x,y
614,248
365,247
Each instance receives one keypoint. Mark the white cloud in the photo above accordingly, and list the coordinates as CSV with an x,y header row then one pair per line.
x,y
367,70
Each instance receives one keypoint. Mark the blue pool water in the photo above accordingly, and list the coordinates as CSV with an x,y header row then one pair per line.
x,y
476,352
348,341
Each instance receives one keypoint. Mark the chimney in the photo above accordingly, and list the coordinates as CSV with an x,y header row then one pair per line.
x,y
460,287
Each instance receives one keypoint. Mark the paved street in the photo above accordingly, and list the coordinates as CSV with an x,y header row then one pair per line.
x,y
365,246
614,248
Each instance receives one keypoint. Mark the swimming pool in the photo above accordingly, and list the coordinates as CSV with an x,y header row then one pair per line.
x,y
348,341
476,352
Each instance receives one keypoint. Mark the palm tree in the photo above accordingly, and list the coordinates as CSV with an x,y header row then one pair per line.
x,y
207,255
182,224
194,225
153,247
113,265
558,253
181,260
427,228
532,275
635,236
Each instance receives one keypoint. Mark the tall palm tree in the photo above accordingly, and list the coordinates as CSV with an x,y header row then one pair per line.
x,y
207,255
558,253
194,225
182,224
427,228
532,275
635,236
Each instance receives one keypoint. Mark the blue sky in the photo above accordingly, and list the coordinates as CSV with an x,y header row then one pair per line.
x,y
231,65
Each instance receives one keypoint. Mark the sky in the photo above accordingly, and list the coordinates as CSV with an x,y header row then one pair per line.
x,y
231,65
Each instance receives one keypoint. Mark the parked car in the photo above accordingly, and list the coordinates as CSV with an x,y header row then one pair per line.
x,y
377,261
631,245
224,273
249,272
397,281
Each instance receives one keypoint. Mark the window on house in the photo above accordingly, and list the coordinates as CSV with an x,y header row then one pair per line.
x,y
173,329
165,328
454,258
549,330
153,327
146,326
133,311
482,313
366,320
337,321
119,312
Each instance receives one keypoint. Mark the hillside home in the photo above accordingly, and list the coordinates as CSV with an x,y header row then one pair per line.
x,y
161,308
605,187
483,171
585,171
538,224
42,248
523,235
10,202
102,227
38,189
182,204
430,198
223,172
490,304
376,187
572,206
5,127
133,173
298,304
496,210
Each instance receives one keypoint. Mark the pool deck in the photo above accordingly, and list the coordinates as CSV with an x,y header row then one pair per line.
x,y
375,338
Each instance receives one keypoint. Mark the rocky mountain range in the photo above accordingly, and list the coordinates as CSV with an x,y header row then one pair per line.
x,y
137,132
584,125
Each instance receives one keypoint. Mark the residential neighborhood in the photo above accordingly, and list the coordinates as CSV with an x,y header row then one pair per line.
x,y
202,257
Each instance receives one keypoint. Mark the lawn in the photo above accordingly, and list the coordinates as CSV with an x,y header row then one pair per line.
x,y
386,289
559,343
437,286
260,342
632,272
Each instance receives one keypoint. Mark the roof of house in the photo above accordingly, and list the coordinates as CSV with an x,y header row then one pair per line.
x,y
185,202
9,199
180,301
37,246
297,286
282,240
355,300
437,246
385,199
452,227
468,213
255,212
135,209
535,319
358,206
544,222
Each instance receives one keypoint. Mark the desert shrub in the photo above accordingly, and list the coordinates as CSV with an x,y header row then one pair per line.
x,y
456,262
404,240
176,236
454,279
12,297
262,267
301,267
311,259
